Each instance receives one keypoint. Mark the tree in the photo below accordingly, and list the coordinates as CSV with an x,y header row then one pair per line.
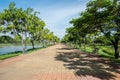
x,y
100,17
56,39
6,39
108,19
23,24
14,20
35,27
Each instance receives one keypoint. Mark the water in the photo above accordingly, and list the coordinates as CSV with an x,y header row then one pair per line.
x,y
9,49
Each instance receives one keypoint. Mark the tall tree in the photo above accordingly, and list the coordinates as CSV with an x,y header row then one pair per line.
x,y
35,27
101,16
14,20
107,16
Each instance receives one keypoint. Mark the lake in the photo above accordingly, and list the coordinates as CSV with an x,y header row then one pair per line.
x,y
9,49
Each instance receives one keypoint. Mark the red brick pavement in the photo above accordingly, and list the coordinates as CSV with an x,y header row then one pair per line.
x,y
43,65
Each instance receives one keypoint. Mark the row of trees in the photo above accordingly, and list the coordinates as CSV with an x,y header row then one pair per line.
x,y
6,39
100,22
25,24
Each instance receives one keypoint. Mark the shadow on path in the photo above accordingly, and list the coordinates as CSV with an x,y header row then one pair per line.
x,y
86,65
65,48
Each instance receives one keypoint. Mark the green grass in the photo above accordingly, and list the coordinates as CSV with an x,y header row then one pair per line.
x,y
106,55
116,60
9,55
103,51
13,54
107,50
88,49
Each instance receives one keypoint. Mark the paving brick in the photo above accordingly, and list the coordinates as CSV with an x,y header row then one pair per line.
x,y
43,65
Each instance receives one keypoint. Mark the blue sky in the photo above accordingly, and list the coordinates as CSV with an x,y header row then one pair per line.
x,y
55,13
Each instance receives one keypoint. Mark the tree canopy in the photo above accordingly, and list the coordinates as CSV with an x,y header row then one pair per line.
x,y
100,17
25,24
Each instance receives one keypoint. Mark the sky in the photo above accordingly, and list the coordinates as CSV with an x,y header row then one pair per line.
x,y
55,13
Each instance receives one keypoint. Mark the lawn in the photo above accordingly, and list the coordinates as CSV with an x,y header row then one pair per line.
x,y
9,55
103,51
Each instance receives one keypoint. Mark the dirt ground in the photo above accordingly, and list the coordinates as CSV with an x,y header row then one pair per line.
x,y
58,62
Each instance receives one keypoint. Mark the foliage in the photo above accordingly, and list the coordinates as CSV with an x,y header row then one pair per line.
x,y
24,25
99,23
6,39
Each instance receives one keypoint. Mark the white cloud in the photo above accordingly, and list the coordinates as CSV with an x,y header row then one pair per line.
x,y
52,15
57,18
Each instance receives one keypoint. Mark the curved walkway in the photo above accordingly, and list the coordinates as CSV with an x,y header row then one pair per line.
x,y
58,63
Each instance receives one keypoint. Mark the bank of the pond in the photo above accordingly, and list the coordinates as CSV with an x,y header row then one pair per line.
x,y
17,53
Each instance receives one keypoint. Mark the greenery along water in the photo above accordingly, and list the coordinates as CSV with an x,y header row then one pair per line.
x,y
9,49
24,26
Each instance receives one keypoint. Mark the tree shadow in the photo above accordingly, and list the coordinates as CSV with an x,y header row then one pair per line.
x,y
86,65
66,48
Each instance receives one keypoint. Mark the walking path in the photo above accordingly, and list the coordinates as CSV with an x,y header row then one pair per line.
x,y
58,63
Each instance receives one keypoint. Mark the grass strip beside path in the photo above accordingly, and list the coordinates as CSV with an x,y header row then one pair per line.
x,y
17,53
103,51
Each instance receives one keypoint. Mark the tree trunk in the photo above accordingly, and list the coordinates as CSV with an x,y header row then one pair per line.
x,y
94,45
23,47
116,49
43,43
94,50
25,41
84,44
79,43
32,41
76,44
